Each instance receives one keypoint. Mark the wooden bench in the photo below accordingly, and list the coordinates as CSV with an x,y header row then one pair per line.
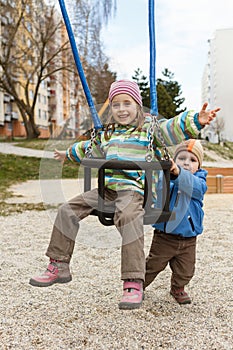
x,y
219,180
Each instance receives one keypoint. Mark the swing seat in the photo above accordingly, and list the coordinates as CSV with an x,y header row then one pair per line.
x,y
152,215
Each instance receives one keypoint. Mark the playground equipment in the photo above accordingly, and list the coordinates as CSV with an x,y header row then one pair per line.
x,y
152,214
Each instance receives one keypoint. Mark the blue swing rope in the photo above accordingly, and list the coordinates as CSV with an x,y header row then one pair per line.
x,y
94,114
153,92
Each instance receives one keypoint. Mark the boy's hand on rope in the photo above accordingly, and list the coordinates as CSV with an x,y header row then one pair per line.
x,y
174,168
205,117
59,155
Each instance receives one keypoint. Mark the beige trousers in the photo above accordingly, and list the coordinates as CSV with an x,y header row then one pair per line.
x,y
128,219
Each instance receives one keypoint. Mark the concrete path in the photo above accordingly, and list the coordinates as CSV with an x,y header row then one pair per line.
x,y
49,192
9,148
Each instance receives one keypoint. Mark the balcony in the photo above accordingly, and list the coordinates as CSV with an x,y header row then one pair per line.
x,y
52,107
3,21
52,93
8,116
6,98
15,115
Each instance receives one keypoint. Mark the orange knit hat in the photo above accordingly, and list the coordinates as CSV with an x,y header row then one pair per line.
x,y
193,146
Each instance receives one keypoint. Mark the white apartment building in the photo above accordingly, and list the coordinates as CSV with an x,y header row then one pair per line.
x,y
217,84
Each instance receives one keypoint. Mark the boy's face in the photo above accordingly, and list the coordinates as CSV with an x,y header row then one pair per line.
x,y
124,109
188,161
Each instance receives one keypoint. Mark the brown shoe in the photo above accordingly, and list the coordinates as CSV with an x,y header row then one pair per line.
x,y
180,296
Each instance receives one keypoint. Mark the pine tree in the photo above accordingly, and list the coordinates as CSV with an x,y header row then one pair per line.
x,y
168,93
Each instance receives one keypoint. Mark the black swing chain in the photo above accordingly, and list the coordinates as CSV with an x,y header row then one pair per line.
x,y
154,125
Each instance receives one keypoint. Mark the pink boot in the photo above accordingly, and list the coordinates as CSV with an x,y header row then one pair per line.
x,y
132,296
57,272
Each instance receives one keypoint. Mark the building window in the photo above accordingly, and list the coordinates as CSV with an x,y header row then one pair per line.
x,y
29,26
28,8
31,94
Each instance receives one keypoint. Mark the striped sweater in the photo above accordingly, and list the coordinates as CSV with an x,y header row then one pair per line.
x,y
128,143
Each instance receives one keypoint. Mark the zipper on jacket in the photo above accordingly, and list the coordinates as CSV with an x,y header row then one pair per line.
x,y
191,222
171,192
177,198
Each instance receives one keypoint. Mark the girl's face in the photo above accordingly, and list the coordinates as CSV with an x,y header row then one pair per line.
x,y
188,161
124,109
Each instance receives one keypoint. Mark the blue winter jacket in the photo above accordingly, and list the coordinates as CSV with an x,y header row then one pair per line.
x,y
186,199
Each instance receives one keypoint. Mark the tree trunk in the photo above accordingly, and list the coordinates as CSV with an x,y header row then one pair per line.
x,y
32,131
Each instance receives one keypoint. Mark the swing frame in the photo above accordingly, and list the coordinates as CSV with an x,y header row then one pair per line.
x,y
152,214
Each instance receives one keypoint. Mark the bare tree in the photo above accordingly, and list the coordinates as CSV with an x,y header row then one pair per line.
x,y
218,126
30,53
88,18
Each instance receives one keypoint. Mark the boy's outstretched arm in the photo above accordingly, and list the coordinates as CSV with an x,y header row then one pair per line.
x,y
205,117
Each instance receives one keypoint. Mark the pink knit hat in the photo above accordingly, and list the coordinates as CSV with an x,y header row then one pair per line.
x,y
125,87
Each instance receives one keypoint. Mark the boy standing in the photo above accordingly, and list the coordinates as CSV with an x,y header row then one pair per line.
x,y
174,242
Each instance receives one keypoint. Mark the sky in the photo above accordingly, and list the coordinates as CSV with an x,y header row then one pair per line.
x,y
182,31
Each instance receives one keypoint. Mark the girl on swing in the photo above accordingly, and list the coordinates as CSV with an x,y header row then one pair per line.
x,y
125,138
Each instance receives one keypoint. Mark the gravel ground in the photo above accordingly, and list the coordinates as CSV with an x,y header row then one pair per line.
x,y
84,314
